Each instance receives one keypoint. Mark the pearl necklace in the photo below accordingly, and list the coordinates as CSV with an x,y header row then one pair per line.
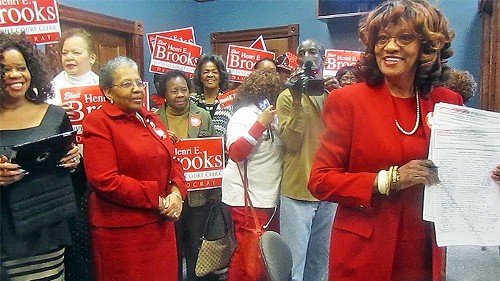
x,y
417,122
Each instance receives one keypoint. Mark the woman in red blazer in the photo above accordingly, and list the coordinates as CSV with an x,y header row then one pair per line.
x,y
372,157
137,186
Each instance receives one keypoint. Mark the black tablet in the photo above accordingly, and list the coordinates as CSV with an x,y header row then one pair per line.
x,y
43,154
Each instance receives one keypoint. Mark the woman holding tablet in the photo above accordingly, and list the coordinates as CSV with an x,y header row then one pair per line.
x,y
29,251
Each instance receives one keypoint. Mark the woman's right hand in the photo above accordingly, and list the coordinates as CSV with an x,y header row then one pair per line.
x,y
417,172
173,136
266,117
9,172
495,174
170,206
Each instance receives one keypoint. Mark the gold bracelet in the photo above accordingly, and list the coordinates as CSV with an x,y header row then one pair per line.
x,y
395,178
178,195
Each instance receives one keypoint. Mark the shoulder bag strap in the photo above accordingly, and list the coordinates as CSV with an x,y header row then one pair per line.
x,y
248,201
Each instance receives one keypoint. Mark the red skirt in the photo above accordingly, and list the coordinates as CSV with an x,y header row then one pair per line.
x,y
146,252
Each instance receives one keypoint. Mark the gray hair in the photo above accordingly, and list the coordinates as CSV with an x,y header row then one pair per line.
x,y
106,75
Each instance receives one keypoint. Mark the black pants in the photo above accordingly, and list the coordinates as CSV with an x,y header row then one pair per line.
x,y
78,257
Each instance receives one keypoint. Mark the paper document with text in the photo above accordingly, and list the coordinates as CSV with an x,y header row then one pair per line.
x,y
465,205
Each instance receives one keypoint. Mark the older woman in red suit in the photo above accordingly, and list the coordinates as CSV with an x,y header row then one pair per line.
x,y
137,186
372,157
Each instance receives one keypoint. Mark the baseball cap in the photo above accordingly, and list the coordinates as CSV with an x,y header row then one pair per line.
x,y
287,61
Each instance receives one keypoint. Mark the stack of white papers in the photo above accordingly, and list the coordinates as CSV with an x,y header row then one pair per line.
x,y
465,205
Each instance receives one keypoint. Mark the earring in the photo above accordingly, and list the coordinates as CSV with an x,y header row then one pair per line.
x,y
32,94
110,99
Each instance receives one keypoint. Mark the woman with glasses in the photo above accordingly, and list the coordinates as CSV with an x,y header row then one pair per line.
x,y
347,75
372,159
137,186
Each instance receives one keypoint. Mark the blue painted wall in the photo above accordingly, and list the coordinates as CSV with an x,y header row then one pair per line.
x,y
227,15
466,22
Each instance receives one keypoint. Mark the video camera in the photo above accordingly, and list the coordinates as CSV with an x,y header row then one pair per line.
x,y
305,81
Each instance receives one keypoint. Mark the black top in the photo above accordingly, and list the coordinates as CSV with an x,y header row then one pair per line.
x,y
47,238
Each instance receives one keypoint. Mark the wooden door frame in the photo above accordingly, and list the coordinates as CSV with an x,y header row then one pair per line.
x,y
291,32
490,58
133,30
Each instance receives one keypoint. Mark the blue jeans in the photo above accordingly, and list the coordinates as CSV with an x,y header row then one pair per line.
x,y
307,227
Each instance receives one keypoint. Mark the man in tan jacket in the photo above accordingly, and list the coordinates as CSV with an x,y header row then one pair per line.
x,y
305,222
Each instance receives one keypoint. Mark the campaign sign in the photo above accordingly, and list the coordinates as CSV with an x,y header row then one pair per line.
x,y
241,60
336,59
183,34
84,99
202,160
226,99
39,19
174,54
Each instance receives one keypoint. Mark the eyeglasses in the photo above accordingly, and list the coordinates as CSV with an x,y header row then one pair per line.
x,y
128,85
403,39
349,79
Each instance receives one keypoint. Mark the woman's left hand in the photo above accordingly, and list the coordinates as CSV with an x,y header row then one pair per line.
x,y
72,158
417,172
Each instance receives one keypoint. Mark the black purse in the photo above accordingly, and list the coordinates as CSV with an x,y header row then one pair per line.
x,y
217,253
40,200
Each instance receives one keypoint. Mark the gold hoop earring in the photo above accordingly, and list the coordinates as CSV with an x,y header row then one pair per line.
x,y
32,94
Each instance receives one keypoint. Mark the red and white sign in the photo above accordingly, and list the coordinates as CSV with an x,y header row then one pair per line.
x,y
83,99
174,54
39,19
241,60
226,99
182,34
336,59
202,160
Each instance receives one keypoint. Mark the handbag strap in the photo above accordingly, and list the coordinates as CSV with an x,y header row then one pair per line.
x,y
210,214
248,201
